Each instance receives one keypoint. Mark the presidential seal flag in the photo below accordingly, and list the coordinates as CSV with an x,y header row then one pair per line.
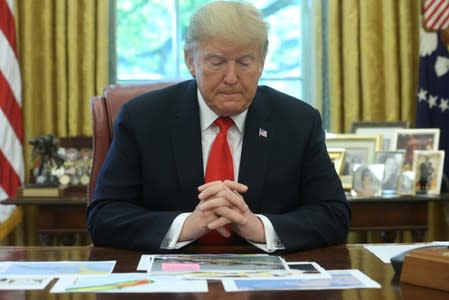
x,y
433,91
11,128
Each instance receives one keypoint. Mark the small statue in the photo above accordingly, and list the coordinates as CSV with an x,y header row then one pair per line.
x,y
45,153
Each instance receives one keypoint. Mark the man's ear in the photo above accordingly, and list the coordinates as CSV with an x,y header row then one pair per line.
x,y
261,69
188,59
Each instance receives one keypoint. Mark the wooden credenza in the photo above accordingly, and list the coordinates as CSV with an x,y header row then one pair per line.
x,y
58,218
65,217
392,214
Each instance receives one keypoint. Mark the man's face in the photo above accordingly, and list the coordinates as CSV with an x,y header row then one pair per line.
x,y
227,74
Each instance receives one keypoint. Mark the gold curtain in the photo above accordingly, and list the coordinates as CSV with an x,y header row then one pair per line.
x,y
373,60
63,49
316,73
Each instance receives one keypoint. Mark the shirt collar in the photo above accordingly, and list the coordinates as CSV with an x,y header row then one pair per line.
x,y
208,116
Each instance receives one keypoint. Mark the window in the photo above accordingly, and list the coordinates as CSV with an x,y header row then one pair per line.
x,y
149,41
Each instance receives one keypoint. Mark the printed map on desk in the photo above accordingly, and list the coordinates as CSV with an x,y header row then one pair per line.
x,y
219,275
340,279
128,283
58,268
303,270
172,263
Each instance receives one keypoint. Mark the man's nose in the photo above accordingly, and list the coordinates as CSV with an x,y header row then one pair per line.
x,y
231,76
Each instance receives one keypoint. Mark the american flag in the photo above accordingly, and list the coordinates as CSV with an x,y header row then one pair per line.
x,y
11,131
436,14
263,133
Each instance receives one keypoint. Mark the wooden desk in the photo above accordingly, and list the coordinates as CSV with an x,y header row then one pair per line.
x,y
392,214
338,257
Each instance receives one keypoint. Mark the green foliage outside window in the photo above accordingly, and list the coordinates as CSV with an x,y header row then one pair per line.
x,y
149,39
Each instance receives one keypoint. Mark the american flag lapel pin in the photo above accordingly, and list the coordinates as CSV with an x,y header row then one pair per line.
x,y
263,133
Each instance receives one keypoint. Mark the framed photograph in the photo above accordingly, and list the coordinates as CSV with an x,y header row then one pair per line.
x,y
428,168
415,139
367,180
337,156
359,149
384,128
407,183
378,124
393,162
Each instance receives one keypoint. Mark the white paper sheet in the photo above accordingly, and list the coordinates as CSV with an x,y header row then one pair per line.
x,y
24,282
245,274
145,262
128,283
386,251
59,268
341,279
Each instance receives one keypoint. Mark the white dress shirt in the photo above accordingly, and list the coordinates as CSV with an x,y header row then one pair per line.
x,y
235,139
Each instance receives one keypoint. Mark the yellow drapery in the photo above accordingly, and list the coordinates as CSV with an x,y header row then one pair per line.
x,y
373,69
373,60
63,48
317,45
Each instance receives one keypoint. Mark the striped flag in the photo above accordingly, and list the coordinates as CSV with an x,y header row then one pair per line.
x,y
11,130
436,14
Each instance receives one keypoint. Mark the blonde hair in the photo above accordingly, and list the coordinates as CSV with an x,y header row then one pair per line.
x,y
233,21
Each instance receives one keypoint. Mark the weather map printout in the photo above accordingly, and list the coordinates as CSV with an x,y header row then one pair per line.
x,y
59,268
340,279
213,262
128,283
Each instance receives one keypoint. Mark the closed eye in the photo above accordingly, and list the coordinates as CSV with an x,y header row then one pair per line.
x,y
246,61
215,61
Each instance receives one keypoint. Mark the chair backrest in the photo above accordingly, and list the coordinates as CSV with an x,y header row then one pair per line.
x,y
104,111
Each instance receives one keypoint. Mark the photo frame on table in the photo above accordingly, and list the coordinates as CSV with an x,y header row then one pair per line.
x,y
384,128
337,156
415,139
378,124
428,169
359,149
406,183
393,162
367,180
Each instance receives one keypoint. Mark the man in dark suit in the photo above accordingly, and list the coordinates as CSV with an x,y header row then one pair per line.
x,y
285,194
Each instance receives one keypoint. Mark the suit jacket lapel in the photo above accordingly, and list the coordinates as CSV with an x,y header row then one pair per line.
x,y
186,137
255,149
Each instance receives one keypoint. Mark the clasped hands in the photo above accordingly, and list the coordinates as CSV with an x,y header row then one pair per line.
x,y
221,203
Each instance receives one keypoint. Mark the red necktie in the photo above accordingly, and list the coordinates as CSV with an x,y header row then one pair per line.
x,y
220,166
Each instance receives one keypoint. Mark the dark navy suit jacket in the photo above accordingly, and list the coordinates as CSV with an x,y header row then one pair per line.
x,y
154,167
